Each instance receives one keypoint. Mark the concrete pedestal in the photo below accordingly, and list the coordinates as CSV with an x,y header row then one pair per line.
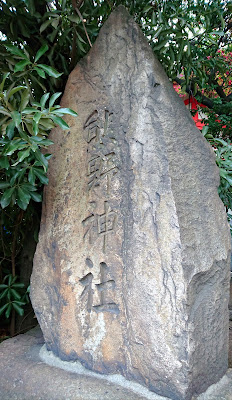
x,y
24,376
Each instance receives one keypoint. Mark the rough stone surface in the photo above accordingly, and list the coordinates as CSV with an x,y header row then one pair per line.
x,y
23,376
131,273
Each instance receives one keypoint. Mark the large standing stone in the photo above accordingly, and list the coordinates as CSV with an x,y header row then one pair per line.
x,y
132,266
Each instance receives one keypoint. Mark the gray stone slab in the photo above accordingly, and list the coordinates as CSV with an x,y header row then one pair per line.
x,y
24,376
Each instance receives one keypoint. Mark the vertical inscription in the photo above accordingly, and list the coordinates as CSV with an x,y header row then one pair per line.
x,y
102,166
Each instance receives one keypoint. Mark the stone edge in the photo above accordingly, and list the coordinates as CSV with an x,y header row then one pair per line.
x,y
76,367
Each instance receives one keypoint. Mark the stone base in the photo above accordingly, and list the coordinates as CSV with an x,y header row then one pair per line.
x,y
24,376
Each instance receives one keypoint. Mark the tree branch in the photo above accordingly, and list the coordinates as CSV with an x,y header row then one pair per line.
x,y
76,8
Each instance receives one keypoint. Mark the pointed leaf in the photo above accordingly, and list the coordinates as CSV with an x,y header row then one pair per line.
x,y
40,72
16,116
36,197
8,310
5,76
50,71
31,177
54,98
21,204
22,155
15,294
24,195
25,97
18,285
43,100
4,185
4,163
2,309
59,121
20,65
41,175
61,111
18,309
4,293
42,159
10,130
6,197
45,25
16,51
14,90
41,51
29,187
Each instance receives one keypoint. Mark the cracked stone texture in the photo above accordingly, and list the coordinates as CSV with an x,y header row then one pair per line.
x,y
131,273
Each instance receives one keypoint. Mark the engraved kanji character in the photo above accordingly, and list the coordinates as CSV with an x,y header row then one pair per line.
x,y
100,225
94,171
106,223
100,166
86,281
103,287
89,221
92,126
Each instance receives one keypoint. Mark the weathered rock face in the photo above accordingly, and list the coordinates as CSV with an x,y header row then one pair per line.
x,y
131,273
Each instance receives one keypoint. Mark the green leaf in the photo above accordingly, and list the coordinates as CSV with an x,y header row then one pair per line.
x,y
50,71
29,187
15,294
3,286
8,311
4,185
4,111
14,90
41,175
59,121
18,309
21,156
23,195
22,205
4,163
5,76
36,197
25,97
74,18
18,285
16,51
16,116
223,174
41,51
205,130
20,65
2,309
6,197
54,98
10,130
31,176
29,110
20,303
45,25
40,72
42,159
43,100
37,117
61,111
13,146
4,293
35,128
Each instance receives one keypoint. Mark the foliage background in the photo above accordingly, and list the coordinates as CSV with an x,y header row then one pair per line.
x,y
41,42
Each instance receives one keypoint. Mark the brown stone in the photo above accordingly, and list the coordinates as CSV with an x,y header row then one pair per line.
x,y
131,273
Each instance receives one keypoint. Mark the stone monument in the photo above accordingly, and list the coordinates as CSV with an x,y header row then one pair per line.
x,y
131,272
